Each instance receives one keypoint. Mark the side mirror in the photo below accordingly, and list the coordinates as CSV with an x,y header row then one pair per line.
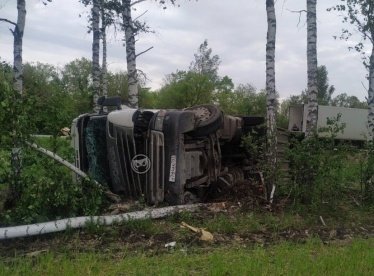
x,y
109,101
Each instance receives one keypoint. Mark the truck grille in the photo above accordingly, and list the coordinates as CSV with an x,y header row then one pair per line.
x,y
121,150
154,186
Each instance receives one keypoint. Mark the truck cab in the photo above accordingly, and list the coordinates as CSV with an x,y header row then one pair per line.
x,y
176,156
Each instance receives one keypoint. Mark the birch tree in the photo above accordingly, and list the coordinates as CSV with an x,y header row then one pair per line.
x,y
96,72
311,121
17,32
360,14
132,27
132,73
106,20
271,96
102,11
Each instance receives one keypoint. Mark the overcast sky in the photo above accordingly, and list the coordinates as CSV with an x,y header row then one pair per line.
x,y
236,32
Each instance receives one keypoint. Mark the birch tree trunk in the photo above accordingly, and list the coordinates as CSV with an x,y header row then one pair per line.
x,y
132,73
370,98
16,154
311,122
271,97
96,53
104,79
17,47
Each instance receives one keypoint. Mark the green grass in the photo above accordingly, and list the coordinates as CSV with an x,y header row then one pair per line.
x,y
311,258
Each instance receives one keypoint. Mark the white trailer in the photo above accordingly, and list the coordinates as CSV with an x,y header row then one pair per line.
x,y
355,120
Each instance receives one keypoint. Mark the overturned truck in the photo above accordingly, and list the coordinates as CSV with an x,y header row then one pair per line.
x,y
176,156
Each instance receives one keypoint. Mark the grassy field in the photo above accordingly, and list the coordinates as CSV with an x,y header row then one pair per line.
x,y
311,258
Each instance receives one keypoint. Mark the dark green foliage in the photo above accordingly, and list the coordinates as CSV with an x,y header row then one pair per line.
x,y
186,89
201,84
117,85
51,108
53,98
148,99
324,171
75,81
243,100
325,90
49,101
348,101
48,191
205,63
367,167
195,86
6,102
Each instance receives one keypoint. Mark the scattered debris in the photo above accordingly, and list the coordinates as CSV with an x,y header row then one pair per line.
x,y
116,209
332,234
170,244
217,207
205,235
65,131
355,201
321,219
36,253
272,194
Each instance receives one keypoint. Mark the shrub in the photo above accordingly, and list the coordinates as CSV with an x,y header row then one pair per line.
x,y
48,191
322,169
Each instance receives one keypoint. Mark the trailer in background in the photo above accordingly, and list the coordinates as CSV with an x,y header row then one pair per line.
x,y
355,120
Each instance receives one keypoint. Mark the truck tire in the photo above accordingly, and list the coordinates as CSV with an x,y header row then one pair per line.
x,y
209,119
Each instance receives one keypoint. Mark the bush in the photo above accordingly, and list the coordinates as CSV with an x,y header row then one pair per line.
x,y
324,170
48,191
368,173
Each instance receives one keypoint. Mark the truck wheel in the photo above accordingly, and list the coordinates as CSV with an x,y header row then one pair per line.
x,y
209,119
190,198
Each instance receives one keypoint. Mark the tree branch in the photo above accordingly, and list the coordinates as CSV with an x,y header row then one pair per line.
x,y
150,48
299,12
361,28
8,21
140,15
363,85
137,2
143,75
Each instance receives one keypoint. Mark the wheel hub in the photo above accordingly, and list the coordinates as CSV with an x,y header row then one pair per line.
x,y
202,113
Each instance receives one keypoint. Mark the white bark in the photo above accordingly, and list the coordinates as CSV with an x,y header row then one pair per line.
x,y
96,53
17,47
16,154
104,79
58,159
79,222
271,93
311,123
370,98
130,54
